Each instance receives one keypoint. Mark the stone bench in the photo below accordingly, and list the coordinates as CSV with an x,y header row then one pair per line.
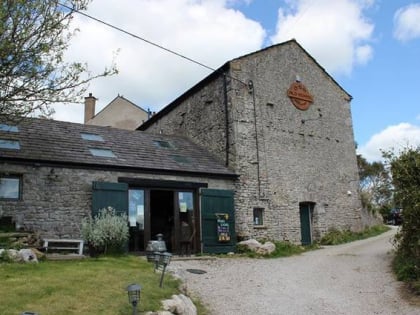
x,y
63,244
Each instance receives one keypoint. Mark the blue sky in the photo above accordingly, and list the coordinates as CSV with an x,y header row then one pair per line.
x,y
370,47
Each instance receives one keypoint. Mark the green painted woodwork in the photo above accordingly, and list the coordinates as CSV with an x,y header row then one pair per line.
x,y
218,204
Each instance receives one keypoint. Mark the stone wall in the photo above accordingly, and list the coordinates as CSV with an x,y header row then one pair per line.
x,y
54,199
284,156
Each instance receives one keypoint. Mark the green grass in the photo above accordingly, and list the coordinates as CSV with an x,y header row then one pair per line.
x,y
335,237
89,286
283,249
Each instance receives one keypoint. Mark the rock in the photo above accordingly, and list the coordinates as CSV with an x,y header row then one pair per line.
x,y
262,249
28,255
252,244
14,255
23,255
180,305
266,249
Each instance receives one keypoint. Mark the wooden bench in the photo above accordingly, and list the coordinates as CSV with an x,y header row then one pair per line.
x,y
63,244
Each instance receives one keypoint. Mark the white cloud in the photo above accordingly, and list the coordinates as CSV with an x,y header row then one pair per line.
x,y
335,33
393,138
406,22
205,30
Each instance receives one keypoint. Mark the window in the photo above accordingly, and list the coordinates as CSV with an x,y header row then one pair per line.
x,y
258,216
163,144
8,128
180,159
10,187
102,152
91,137
136,208
9,144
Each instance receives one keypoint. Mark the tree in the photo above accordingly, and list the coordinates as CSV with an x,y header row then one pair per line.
x,y
375,186
405,170
33,75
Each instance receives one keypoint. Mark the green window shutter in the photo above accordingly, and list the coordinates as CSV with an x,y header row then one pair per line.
x,y
109,195
218,221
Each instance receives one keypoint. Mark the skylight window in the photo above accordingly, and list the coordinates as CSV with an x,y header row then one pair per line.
x,y
8,128
163,144
91,137
180,159
9,144
102,152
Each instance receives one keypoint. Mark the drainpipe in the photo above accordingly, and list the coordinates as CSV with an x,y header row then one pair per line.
x,y
252,91
225,101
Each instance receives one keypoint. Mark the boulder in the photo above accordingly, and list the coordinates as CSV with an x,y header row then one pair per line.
x,y
251,244
28,255
262,249
266,249
23,255
180,305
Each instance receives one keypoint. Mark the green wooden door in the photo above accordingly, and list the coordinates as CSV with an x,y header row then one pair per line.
x,y
218,221
305,223
109,195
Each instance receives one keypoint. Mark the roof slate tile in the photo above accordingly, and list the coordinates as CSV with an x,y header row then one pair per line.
x,y
44,140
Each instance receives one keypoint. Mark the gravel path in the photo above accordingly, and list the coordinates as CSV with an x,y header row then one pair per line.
x,y
354,278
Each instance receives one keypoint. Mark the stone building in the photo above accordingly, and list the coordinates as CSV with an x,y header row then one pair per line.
x,y
281,122
53,174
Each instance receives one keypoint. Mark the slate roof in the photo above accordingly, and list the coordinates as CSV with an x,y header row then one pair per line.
x,y
58,142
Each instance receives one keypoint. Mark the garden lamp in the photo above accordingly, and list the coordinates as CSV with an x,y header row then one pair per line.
x,y
133,291
166,258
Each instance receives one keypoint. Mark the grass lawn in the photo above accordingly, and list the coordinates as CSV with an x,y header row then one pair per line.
x,y
89,286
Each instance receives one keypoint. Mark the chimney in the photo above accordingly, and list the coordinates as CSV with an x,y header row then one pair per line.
x,y
90,102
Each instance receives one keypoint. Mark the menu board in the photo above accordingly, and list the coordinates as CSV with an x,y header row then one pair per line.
x,y
223,228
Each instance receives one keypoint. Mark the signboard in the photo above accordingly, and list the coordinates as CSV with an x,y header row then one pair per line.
x,y
300,96
223,233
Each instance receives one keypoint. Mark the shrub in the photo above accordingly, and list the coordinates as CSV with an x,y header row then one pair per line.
x,y
335,236
106,231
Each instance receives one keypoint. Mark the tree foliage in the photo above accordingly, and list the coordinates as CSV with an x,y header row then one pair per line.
x,y
405,170
33,38
375,185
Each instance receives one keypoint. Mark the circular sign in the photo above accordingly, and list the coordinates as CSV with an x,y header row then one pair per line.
x,y
300,96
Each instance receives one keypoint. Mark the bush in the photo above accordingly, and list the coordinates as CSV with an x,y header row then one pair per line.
x,y
405,170
106,231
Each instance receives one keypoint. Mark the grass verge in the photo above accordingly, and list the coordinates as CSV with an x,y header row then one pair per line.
x,y
335,237
89,286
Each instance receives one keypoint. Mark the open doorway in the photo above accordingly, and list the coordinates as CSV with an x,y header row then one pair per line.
x,y
162,216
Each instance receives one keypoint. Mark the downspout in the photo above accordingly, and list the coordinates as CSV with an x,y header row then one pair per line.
x,y
225,101
252,91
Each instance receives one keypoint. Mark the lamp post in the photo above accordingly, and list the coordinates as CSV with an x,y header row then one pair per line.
x,y
134,291
165,260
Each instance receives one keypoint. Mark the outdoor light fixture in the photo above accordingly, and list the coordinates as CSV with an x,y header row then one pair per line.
x,y
166,258
133,291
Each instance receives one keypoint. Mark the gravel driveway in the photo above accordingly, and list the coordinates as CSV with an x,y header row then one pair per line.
x,y
354,278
